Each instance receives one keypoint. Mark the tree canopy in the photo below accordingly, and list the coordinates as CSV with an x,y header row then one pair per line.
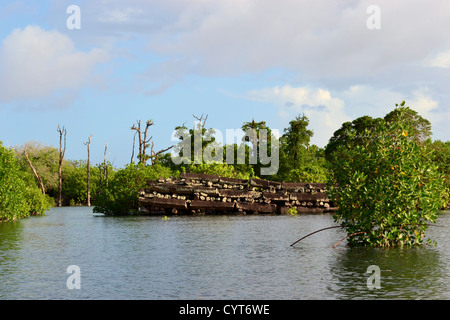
x,y
369,158
386,182
19,194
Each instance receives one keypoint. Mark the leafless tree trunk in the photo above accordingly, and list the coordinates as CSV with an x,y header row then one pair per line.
x,y
62,151
134,143
105,167
143,141
34,171
89,171
198,138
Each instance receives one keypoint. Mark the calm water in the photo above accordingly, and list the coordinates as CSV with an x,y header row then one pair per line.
x,y
212,257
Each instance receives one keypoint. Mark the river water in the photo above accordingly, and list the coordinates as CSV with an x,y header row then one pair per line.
x,y
209,257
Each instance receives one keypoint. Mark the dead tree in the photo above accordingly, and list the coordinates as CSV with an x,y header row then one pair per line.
x,y
199,142
202,125
41,184
154,155
143,141
134,143
88,144
105,166
62,151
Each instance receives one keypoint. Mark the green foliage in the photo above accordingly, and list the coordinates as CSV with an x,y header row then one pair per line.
x,y
19,194
419,126
292,211
74,186
256,134
38,202
385,184
74,173
45,161
372,200
200,138
442,158
360,130
120,197
351,133
300,161
223,170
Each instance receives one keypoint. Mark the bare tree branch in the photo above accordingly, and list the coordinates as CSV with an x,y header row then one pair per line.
x,y
143,141
200,119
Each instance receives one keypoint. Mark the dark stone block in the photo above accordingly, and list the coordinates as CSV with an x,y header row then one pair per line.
x,y
165,203
216,205
276,196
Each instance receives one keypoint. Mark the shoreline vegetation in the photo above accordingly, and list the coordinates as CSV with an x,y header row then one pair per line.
x,y
35,177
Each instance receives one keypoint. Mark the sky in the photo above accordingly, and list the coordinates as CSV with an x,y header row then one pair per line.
x,y
98,66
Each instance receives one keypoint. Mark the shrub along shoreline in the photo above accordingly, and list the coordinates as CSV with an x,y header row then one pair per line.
x,y
379,169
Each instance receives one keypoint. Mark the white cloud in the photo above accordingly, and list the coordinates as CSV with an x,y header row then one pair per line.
x,y
377,102
363,100
120,15
36,64
441,60
325,112
319,41
422,102
321,38
288,95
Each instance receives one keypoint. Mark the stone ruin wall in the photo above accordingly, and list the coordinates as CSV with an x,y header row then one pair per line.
x,y
212,194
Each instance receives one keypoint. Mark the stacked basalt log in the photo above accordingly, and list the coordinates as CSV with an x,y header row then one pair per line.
x,y
211,194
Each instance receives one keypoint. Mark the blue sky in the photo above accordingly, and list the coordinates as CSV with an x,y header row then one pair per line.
x,y
235,60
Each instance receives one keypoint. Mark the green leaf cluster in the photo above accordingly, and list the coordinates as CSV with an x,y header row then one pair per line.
x,y
387,186
299,160
120,196
19,193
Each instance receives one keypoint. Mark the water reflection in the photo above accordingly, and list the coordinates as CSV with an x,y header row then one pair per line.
x,y
244,257
412,273
406,273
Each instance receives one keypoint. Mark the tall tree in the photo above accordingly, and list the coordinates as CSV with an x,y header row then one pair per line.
x,y
360,130
386,186
296,139
355,133
256,134
62,150
300,161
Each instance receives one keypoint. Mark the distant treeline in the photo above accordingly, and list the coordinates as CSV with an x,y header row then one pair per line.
x,y
29,178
